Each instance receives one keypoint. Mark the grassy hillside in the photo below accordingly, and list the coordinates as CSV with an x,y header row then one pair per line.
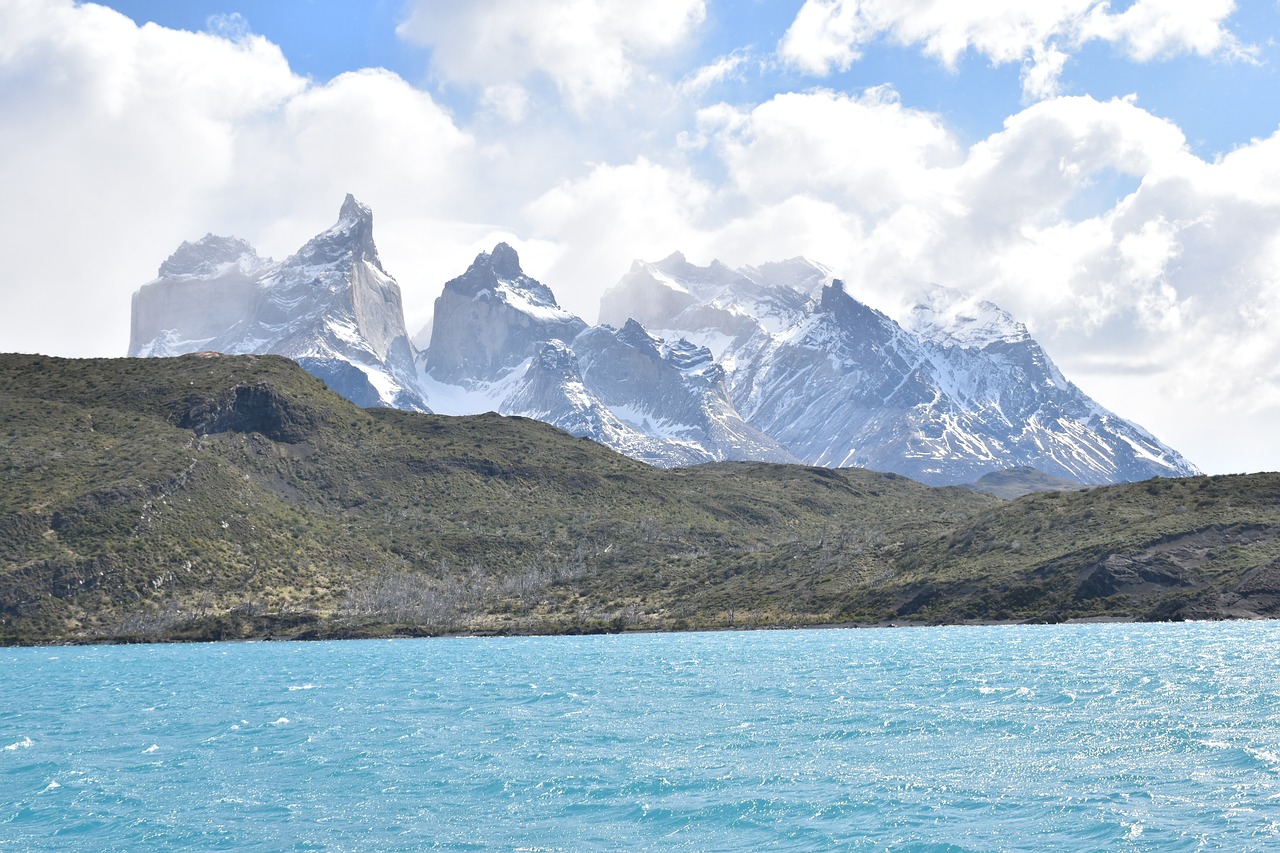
x,y
1199,547
217,497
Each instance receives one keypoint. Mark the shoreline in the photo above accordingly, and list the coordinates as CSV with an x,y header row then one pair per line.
x,y
338,636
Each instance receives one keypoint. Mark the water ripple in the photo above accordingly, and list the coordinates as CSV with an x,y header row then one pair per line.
x,y
1162,737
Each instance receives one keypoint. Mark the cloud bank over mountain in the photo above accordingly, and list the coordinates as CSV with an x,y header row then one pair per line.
x,y
587,133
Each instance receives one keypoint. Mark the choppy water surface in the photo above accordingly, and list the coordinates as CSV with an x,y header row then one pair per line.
x,y
1161,737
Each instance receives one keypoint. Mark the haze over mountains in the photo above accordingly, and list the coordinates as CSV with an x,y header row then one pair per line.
x,y
690,364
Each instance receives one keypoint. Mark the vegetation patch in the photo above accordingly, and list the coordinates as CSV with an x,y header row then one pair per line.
x,y
231,497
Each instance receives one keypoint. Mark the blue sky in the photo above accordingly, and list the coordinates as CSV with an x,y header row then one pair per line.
x,y
321,38
1218,104
1108,173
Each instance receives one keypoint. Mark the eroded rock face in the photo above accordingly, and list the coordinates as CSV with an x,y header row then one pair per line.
x,y
1117,574
492,318
331,307
1257,594
247,408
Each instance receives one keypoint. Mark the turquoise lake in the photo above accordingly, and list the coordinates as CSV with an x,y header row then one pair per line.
x,y
1085,737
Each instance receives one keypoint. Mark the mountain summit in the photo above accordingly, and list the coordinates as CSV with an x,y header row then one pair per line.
x,y
350,240
500,341
492,318
331,307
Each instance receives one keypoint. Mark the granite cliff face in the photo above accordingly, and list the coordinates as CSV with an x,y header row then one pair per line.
x,y
203,291
331,307
491,319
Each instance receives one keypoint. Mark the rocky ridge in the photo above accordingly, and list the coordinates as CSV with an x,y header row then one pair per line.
x,y
500,341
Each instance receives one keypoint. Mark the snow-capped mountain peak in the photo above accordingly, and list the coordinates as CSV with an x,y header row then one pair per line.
x,y
776,362
798,274
855,315
505,263
950,317
491,319
350,239
704,282
497,274
635,335
961,390
211,256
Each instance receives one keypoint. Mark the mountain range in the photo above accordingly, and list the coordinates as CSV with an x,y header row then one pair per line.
x,y
690,364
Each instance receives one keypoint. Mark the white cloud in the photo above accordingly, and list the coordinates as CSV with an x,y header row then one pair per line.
x,y
868,153
829,35
600,221
1150,29
825,37
369,131
591,50
702,79
1041,70
509,101
119,142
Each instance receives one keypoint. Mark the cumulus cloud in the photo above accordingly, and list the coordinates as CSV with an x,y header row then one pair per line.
x,y
830,35
867,152
121,141
592,50
637,210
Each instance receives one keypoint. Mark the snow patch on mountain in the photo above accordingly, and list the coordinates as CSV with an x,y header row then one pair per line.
x,y
950,317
